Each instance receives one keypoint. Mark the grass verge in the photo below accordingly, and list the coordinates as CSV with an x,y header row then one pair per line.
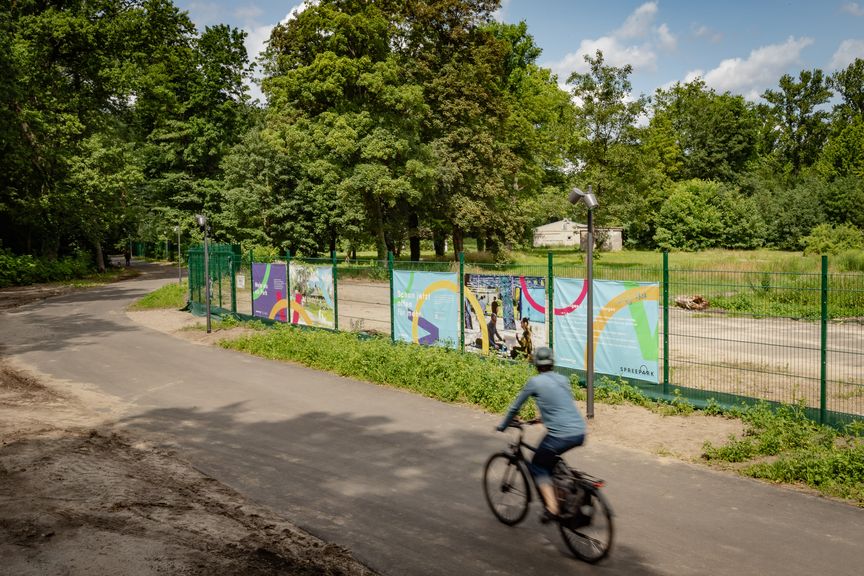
x,y
782,445
167,297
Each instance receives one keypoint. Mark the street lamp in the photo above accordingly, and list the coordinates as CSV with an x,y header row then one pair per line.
x,y
202,224
179,269
590,201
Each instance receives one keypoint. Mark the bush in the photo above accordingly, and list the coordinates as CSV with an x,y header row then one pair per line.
x,y
829,239
25,269
699,215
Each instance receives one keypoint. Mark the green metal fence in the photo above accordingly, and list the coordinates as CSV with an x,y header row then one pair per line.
x,y
780,337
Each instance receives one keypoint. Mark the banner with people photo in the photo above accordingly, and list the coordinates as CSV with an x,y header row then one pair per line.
x,y
626,318
269,291
312,295
519,306
426,308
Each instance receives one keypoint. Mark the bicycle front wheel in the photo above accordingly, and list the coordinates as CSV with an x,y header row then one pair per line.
x,y
505,484
588,534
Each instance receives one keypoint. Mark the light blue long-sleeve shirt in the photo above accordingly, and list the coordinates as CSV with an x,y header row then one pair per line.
x,y
554,397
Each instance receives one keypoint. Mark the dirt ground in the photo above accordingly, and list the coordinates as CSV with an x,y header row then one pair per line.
x,y
78,496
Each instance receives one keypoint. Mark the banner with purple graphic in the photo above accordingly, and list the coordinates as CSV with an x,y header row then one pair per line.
x,y
426,308
312,295
269,297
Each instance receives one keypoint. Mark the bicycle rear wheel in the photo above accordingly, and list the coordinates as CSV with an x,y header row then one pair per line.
x,y
505,484
588,534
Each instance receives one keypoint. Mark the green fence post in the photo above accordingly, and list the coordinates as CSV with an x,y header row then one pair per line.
x,y
462,301
823,368
335,292
665,322
219,273
392,316
233,273
550,305
290,295
251,284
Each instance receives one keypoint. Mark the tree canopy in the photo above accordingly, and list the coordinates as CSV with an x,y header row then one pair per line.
x,y
390,122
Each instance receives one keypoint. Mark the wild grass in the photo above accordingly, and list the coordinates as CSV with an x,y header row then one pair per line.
x,y
784,445
166,297
435,372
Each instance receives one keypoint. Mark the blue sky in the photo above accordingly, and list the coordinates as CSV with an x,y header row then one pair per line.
x,y
736,45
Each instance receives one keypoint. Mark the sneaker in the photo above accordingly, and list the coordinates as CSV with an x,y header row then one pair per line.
x,y
546,517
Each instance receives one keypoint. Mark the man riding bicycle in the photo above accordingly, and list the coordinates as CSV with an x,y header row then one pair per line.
x,y
564,423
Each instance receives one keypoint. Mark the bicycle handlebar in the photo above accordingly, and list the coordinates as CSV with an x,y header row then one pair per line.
x,y
516,423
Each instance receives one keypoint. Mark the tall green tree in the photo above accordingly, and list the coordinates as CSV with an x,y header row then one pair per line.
x,y
796,125
607,115
710,136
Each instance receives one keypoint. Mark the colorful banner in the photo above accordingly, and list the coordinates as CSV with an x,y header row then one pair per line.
x,y
626,317
269,291
426,308
514,298
312,295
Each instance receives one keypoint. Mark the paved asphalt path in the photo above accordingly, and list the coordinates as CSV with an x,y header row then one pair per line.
x,y
396,477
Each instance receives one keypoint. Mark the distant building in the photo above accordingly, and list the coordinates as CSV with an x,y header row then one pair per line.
x,y
568,233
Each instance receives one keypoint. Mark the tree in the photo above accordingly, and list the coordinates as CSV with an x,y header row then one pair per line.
x,y
708,135
796,127
607,116
849,84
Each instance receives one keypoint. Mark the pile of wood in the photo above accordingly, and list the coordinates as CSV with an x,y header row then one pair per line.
x,y
696,302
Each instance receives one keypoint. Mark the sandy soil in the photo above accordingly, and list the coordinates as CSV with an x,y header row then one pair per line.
x,y
79,497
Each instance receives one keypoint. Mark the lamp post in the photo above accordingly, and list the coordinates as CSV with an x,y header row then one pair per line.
x,y
202,223
590,201
179,269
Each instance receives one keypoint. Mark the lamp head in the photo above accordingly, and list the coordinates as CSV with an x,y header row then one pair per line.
x,y
587,197
201,220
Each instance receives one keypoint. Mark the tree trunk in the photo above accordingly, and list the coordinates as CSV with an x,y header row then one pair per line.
x,y
332,243
100,258
492,245
414,236
438,238
380,240
458,241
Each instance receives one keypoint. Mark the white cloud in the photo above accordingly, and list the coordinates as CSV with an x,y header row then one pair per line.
x,y
666,38
638,24
853,8
500,15
635,43
848,51
702,31
759,71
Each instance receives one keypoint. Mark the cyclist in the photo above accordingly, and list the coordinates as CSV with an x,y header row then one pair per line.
x,y
565,427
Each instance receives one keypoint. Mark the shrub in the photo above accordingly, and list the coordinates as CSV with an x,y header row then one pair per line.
x,y
830,239
25,269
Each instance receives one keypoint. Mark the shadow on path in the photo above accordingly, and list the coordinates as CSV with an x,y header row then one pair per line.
x,y
405,502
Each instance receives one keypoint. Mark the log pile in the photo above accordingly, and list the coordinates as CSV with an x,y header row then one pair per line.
x,y
696,302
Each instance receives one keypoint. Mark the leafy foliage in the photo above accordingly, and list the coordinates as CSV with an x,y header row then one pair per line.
x,y
797,450
698,215
435,372
828,239
21,270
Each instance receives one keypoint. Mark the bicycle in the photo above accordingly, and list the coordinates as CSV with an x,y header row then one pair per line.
x,y
585,517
